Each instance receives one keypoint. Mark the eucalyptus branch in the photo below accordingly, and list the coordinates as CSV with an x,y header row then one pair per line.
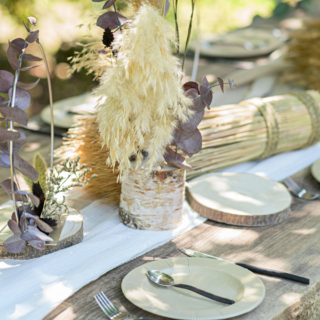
x,y
193,2
14,89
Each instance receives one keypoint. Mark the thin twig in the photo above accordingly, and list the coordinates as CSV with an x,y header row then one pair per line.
x,y
50,99
189,32
175,10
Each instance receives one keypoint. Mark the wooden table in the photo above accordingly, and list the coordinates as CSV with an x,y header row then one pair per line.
x,y
292,246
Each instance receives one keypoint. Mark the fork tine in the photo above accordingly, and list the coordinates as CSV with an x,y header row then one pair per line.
x,y
109,302
106,306
101,306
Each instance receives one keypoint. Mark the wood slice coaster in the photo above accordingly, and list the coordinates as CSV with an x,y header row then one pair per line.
x,y
315,170
240,199
71,234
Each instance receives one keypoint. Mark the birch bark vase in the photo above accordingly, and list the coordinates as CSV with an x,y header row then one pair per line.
x,y
152,200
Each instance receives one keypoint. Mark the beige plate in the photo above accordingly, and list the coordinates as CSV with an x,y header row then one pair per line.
x,y
315,170
263,41
239,198
65,112
220,278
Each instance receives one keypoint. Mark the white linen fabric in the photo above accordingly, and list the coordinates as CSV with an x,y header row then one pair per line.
x,y
30,289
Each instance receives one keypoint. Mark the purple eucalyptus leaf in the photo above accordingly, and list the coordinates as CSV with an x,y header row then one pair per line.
x,y
190,85
37,244
22,100
6,135
179,165
30,57
192,93
6,185
33,233
4,160
221,84
32,20
25,168
15,244
14,114
206,82
26,208
35,200
171,155
14,227
208,99
193,144
12,58
203,92
17,144
15,48
21,43
41,224
193,122
198,104
109,20
108,4
32,36
181,135
6,81
3,101
30,67
27,86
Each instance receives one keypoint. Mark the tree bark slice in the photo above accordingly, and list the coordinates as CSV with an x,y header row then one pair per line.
x,y
72,234
239,199
153,200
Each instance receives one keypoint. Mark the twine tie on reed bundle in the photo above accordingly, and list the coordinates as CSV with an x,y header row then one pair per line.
x,y
268,113
314,111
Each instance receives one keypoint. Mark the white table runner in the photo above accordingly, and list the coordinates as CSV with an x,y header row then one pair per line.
x,y
30,289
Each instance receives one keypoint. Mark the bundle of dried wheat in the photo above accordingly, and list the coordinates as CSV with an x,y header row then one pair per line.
x,y
304,53
84,140
255,129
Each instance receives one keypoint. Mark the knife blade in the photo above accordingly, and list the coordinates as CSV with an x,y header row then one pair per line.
x,y
267,272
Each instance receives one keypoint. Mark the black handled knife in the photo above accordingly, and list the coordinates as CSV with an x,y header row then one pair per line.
x,y
267,272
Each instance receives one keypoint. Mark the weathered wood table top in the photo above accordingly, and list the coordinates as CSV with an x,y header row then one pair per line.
x,y
291,246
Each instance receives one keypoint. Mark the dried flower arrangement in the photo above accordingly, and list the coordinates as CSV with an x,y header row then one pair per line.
x,y
147,113
35,212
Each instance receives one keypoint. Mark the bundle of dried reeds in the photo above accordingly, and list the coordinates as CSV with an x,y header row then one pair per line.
x,y
303,53
255,129
84,140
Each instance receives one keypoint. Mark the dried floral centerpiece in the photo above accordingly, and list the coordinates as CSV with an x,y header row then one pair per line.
x,y
37,212
146,117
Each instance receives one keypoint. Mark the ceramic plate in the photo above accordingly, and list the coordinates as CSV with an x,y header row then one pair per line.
x,y
315,170
220,278
65,112
247,42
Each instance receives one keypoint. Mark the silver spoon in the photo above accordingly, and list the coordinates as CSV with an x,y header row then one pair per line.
x,y
164,280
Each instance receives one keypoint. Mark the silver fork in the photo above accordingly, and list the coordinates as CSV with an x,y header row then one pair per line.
x,y
299,192
111,311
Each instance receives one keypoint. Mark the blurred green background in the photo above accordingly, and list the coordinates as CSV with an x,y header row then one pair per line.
x,y
59,35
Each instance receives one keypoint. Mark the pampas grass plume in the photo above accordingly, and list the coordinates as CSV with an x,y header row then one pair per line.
x,y
144,95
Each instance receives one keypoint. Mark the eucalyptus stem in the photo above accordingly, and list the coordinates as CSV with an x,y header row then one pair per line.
x,y
13,98
51,102
193,2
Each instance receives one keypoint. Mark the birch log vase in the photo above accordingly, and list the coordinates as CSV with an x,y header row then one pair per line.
x,y
153,200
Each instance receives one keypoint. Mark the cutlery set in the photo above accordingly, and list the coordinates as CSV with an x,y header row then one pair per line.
x,y
164,280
